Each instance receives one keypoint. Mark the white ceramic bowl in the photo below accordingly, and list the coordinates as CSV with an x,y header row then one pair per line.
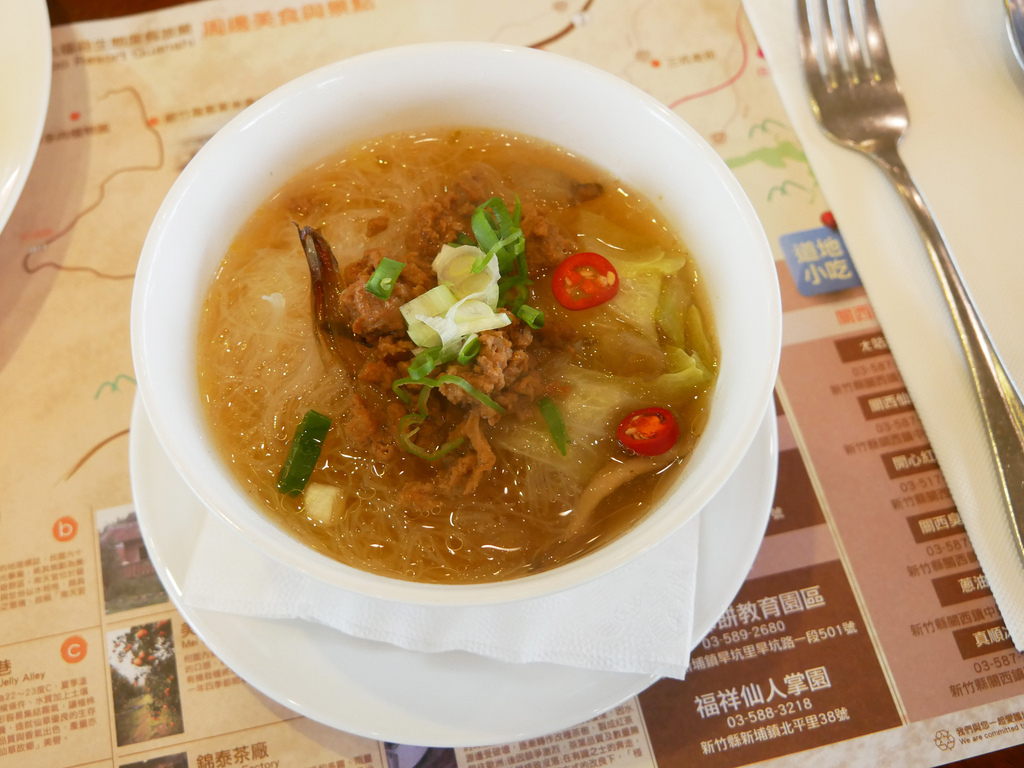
x,y
595,114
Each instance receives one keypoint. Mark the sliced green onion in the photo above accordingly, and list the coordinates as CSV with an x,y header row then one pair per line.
x,y
382,281
304,453
397,387
463,239
460,382
470,349
500,215
498,233
484,226
518,279
449,378
499,250
428,359
408,425
532,317
506,284
483,260
424,363
421,404
521,260
556,425
524,293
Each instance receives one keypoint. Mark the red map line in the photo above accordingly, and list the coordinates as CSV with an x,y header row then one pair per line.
x,y
563,32
92,452
731,80
27,263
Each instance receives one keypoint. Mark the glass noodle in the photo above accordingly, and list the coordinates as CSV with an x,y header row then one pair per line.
x,y
260,368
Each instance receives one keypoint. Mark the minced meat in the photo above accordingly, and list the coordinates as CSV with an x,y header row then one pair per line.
x,y
507,367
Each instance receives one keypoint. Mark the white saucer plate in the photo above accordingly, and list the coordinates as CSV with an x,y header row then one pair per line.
x,y
25,68
445,699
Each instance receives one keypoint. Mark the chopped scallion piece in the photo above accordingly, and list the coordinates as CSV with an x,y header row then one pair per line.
x,y
304,453
516,285
408,426
382,281
498,233
424,363
469,350
556,425
470,390
396,387
484,224
524,292
532,317
448,378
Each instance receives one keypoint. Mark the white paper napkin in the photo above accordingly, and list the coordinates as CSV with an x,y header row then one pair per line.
x,y
965,149
636,619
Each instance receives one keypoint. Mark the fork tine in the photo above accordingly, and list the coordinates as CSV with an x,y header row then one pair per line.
x,y
811,54
854,57
808,55
877,49
829,49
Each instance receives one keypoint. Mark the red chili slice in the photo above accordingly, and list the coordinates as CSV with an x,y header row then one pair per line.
x,y
584,280
649,431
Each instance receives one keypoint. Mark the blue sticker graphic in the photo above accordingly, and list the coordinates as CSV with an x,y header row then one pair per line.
x,y
818,260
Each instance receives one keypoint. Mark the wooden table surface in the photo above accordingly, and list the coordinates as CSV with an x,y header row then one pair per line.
x,y
68,11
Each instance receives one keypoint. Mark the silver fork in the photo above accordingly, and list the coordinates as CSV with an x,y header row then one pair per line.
x,y
855,96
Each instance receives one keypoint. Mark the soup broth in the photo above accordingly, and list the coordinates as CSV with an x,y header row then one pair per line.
x,y
505,502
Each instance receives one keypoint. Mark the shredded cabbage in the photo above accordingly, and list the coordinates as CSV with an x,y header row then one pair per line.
x,y
696,338
596,233
676,297
684,372
594,401
647,271
638,304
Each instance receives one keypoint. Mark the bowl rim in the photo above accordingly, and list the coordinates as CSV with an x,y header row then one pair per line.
x,y
284,548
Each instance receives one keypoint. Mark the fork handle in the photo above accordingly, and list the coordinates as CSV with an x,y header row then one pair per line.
x,y
1000,401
